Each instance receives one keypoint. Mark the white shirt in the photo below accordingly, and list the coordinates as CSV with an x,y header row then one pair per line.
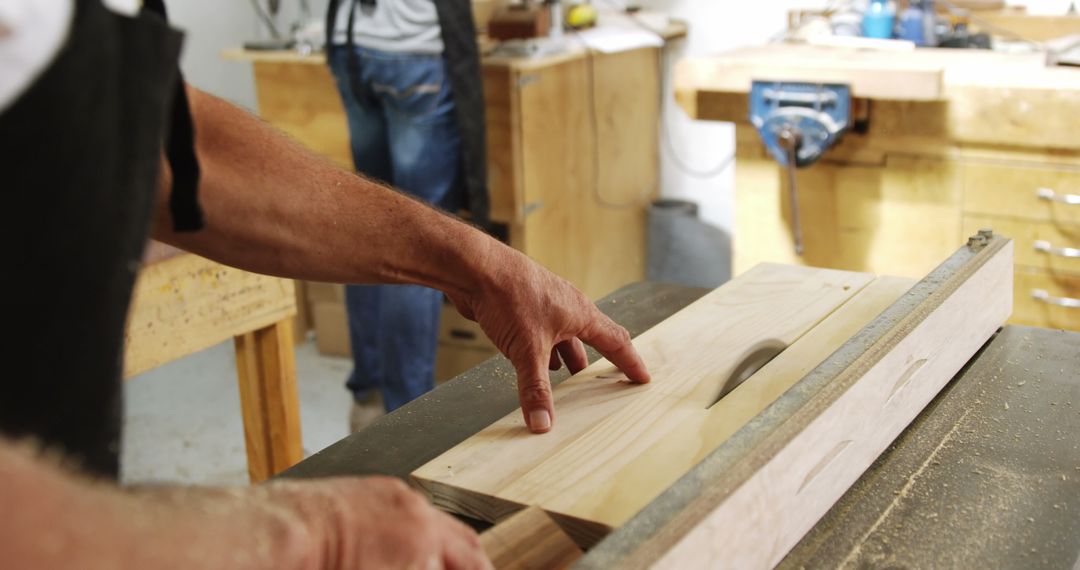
x,y
31,34
403,26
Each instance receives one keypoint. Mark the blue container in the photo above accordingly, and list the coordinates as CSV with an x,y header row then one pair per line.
x,y
878,20
913,24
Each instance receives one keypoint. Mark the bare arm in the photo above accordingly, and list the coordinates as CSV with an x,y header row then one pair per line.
x,y
56,519
274,207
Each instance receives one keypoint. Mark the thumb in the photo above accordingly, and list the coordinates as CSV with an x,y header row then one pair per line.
x,y
534,391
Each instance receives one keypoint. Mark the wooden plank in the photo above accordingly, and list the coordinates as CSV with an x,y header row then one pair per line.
x,y
266,363
312,114
875,75
603,422
631,486
186,303
749,501
529,540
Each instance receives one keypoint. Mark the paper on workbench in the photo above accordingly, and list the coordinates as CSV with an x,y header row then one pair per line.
x,y
613,39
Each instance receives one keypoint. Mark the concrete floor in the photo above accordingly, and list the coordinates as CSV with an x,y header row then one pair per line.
x,y
182,422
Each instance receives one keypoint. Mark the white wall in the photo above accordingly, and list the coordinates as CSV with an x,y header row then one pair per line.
x,y
214,25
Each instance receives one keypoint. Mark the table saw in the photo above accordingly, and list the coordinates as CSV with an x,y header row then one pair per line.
x,y
987,474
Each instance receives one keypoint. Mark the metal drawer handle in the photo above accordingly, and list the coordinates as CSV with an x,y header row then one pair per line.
x,y
1051,196
1042,295
1046,247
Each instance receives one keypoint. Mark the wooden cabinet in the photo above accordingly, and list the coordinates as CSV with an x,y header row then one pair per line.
x,y
573,158
572,147
993,148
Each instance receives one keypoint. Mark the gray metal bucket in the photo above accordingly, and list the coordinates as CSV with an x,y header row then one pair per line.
x,y
685,250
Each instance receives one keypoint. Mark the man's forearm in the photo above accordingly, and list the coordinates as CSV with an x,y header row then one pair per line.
x,y
274,207
55,519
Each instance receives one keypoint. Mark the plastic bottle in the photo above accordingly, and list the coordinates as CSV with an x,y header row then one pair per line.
x,y
912,23
878,19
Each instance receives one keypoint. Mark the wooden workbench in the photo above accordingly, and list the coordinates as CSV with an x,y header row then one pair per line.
x,y
184,303
949,141
572,145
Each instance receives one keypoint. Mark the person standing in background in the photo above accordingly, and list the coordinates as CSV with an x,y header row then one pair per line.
x,y
408,73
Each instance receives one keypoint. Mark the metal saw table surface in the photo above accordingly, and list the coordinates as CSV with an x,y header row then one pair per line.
x,y
988,474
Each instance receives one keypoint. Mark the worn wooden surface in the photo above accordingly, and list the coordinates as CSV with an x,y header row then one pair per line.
x,y
529,540
603,424
185,303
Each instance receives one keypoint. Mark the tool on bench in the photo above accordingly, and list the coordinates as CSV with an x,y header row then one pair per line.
x,y
798,122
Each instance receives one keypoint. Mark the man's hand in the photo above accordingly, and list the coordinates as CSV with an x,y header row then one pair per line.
x,y
379,522
537,318
273,207
56,518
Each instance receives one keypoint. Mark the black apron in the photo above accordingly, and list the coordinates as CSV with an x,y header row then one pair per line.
x,y
463,66
80,151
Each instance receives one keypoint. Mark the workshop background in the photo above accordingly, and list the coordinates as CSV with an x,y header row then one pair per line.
x,y
182,420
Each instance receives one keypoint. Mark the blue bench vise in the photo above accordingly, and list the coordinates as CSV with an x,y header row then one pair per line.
x,y
798,122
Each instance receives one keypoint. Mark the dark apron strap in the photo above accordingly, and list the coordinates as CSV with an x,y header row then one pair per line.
x,y
180,150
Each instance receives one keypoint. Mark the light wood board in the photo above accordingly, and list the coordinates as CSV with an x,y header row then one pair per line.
x,y
603,423
186,303
529,540
753,498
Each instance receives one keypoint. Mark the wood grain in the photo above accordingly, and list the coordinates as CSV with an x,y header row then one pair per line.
x,y
313,114
771,484
582,195
266,366
632,486
1033,312
529,540
872,74
1009,190
186,303
602,422
897,218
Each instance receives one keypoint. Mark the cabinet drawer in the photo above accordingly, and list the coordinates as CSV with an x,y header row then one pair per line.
x,y
1027,310
1054,248
1014,191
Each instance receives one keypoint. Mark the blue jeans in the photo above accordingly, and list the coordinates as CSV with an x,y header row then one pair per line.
x,y
404,132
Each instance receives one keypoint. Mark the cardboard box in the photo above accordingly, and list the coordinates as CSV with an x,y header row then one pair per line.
x,y
331,329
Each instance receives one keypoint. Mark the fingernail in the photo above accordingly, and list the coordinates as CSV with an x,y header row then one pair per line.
x,y
539,420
